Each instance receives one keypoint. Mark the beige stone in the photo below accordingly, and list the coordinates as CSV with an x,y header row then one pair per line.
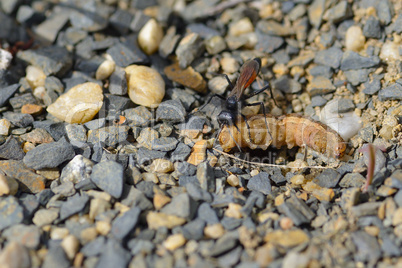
x,y
105,70
35,76
4,127
70,244
174,241
161,166
156,220
161,200
79,105
214,231
8,185
150,37
354,39
146,86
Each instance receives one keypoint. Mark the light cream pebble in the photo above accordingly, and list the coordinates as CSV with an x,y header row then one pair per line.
x,y
79,105
240,27
103,227
8,185
354,39
70,244
4,127
145,85
233,180
390,51
229,65
58,233
161,166
174,241
214,231
105,70
150,37
35,76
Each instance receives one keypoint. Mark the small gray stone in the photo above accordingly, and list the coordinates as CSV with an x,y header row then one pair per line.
x,y
7,92
11,31
352,180
223,244
339,12
108,176
186,98
118,82
19,119
318,101
197,193
315,12
182,206
345,105
124,55
206,177
94,247
297,210
261,183
164,144
145,155
371,88
73,205
52,59
392,92
366,209
26,235
194,230
267,43
189,48
139,116
56,257
230,258
63,190
329,178
110,136
136,198
11,149
49,29
124,224
169,42
49,155
287,85
329,57
353,61
77,134
321,70
372,28
121,21
367,246
171,111
18,101
11,212
181,152
398,198
206,213
78,169
356,77
114,255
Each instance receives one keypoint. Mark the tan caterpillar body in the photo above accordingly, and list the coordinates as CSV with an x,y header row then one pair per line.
x,y
291,130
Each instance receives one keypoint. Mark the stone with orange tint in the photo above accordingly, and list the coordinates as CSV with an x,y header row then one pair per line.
x,y
32,109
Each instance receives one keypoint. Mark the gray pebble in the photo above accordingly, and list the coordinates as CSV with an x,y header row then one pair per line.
x,y
56,257
206,213
223,244
181,152
267,43
297,210
7,92
329,178
139,246
114,255
73,205
345,105
318,101
164,144
110,136
121,21
136,198
392,92
11,212
124,224
321,70
11,149
94,247
27,235
182,206
370,88
329,57
367,246
261,183
352,61
19,119
230,258
372,28
123,55
287,85
194,230
108,176
49,155
171,111
63,190
190,48
206,177
197,193
118,82
352,180
356,77
145,155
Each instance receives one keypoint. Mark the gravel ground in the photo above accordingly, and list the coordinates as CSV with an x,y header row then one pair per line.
x,y
109,154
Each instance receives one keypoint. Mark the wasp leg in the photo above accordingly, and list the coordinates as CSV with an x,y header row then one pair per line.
x,y
259,91
248,127
263,111
230,82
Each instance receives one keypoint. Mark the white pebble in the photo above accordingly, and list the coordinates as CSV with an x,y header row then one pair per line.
x,y
35,76
5,59
70,244
346,124
150,37
354,39
240,27
145,85
390,51
4,127
105,70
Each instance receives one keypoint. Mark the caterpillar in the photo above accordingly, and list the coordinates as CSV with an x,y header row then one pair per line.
x,y
291,130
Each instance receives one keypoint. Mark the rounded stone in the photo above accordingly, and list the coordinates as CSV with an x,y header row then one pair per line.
x,y
35,76
79,105
105,70
354,39
5,126
240,27
150,37
145,86
8,185
174,241
70,244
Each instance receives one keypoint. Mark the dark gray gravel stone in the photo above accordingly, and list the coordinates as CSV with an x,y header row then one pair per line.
x,y
187,51
118,82
329,178
204,31
371,88
287,85
73,205
368,249
49,155
366,209
95,124
372,28
124,224
194,230
206,177
388,246
164,144
384,9
94,247
56,257
339,12
114,255
322,70
267,43
139,20
108,176
145,155
134,197
255,199
197,193
11,149
352,61
207,213
297,210
56,130
11,31
230,258
392,92
11,212
26,235
113,105
318,101
224,244
110,136
345,105
140,246
261,183
329,57
18,101
398,198
182,206
30,204
171,111
186,98
19,119
396,179
181,152
121,20
352,180
138,116
231,224
186,168
63,190
52,60
7,92
124,55
356,77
